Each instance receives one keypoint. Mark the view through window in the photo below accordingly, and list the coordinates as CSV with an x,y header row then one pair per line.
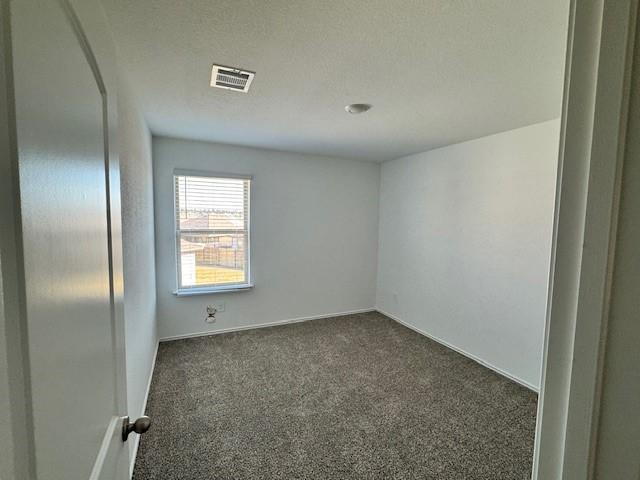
x,y
212,231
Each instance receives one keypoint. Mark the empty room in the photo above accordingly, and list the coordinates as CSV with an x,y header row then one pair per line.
x,y
319,240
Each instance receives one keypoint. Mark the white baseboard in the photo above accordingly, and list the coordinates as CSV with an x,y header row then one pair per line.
x,y
316,317
462,352
264,325
136,440
352,312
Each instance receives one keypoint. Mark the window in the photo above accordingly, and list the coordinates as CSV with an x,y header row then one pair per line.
x,y
212,232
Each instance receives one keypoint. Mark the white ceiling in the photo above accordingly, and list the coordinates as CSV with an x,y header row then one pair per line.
x,y
436,71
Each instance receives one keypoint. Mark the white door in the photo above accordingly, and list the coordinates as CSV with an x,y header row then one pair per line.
x,y
75,358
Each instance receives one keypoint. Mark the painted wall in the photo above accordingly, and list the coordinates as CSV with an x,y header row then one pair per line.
x,y
138,248
314,227
465,242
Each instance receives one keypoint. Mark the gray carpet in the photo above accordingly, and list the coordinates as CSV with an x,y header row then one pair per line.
x,y
357,396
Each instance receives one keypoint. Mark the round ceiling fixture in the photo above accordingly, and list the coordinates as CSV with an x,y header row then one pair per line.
x,y
356,108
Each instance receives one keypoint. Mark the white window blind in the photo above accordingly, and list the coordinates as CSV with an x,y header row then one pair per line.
x,y
212,232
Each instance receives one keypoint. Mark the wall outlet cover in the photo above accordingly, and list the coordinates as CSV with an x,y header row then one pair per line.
x,y
219,306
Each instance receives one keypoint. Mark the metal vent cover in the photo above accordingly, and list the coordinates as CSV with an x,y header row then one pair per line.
x,y
231,78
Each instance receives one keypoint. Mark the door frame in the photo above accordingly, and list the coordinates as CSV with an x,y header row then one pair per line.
x,y
594,133
16,439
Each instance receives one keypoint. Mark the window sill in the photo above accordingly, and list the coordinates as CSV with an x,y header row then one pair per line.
x,y
189,292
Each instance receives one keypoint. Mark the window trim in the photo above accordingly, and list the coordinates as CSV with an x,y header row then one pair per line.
x,y
209,289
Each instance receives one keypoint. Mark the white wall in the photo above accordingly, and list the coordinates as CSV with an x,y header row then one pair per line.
x,y
314,228
465,242
138,248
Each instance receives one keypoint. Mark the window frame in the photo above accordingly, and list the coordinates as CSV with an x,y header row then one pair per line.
x,y
212,288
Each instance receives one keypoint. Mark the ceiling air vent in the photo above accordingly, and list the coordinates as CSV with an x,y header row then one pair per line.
x,y
231,78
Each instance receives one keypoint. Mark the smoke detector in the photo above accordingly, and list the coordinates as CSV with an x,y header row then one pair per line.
x,y
231,78
356,108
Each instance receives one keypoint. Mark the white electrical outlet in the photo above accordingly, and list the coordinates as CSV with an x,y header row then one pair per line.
x,y
219,306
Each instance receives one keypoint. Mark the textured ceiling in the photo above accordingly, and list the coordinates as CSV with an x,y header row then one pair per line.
x,y
436,71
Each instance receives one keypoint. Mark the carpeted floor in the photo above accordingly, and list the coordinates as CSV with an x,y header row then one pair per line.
x,y
357,396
